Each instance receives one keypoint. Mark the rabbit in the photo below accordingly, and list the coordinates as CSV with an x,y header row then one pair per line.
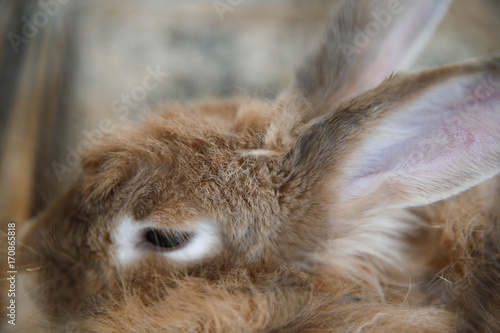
x,y
364,198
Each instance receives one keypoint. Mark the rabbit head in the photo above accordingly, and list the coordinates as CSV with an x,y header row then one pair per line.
x,y
244,215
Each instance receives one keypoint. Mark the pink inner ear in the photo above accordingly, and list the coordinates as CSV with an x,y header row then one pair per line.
x,y
435,147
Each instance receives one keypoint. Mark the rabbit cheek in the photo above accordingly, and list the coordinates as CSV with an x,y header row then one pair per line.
x,y
134,240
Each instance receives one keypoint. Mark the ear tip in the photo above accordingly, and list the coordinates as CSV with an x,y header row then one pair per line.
x,y
492,61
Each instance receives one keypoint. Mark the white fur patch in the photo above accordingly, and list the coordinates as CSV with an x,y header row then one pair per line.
x,y
129,240
262,152
205,241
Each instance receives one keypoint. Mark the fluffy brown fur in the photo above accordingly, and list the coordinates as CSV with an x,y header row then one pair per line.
x,y
296,255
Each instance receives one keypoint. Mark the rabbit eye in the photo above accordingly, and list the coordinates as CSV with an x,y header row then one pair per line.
x,y
166,240
135,238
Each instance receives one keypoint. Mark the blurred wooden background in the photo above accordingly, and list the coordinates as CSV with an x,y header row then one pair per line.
x,y
63,77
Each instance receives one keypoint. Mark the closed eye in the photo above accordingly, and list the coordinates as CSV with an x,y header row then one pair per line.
x,y
166,241
133,239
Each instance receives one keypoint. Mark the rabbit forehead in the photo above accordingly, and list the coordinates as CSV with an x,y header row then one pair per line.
x,y
172,159
172,173
239,198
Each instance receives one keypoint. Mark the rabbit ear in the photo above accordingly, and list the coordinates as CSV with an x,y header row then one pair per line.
x,y
413,140
366,41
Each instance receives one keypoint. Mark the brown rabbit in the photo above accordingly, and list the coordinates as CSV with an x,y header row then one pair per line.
x,y
358,201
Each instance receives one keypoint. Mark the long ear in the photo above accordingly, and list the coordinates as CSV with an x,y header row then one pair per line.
x,y
413,140
366,41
